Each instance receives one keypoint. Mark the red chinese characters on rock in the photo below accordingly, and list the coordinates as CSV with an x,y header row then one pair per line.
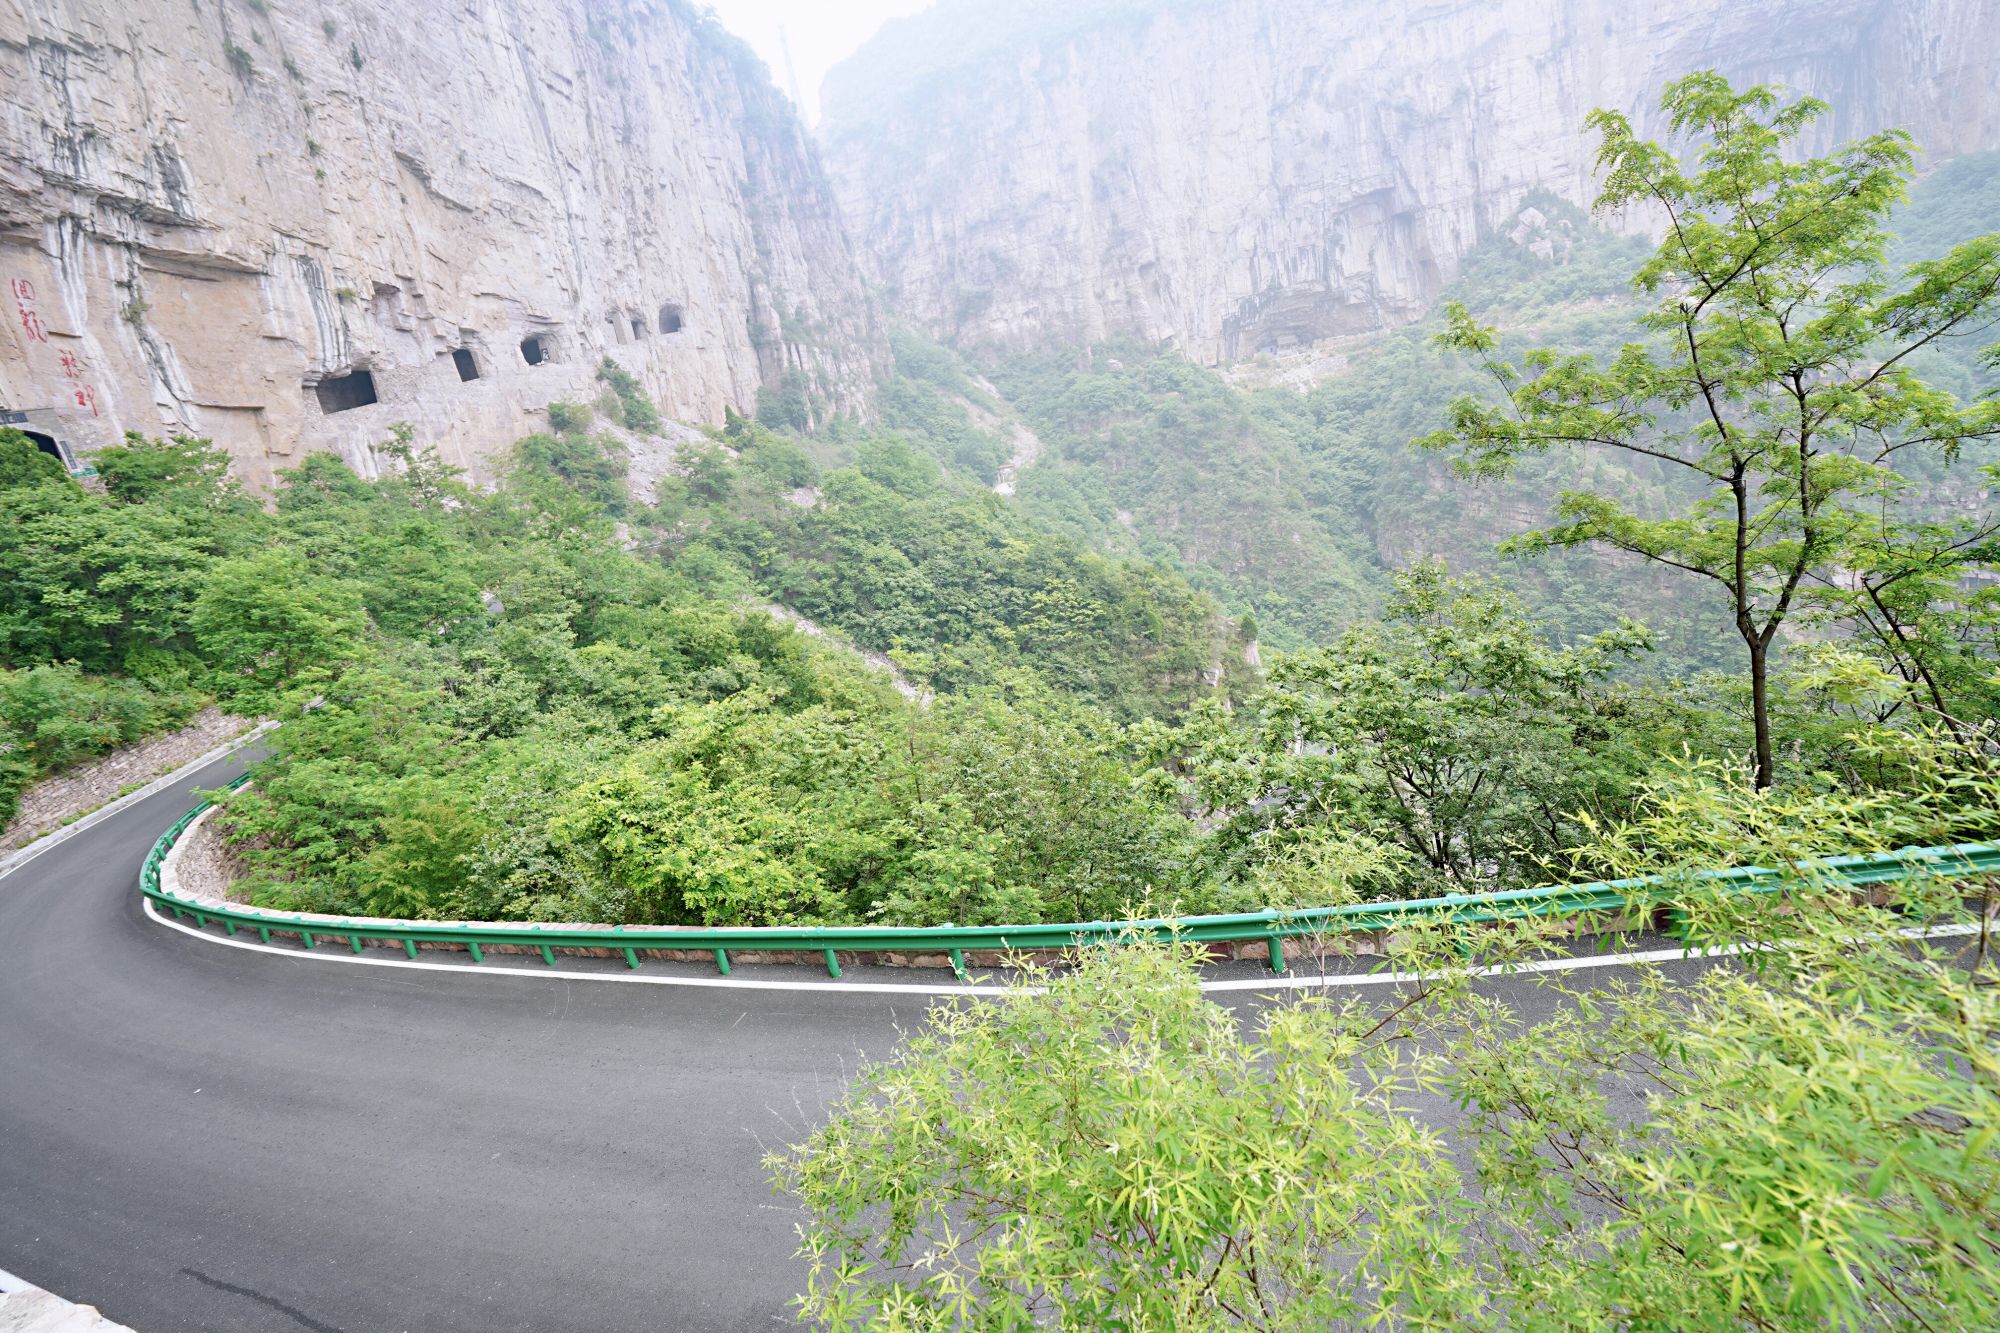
x,y
24,305
73,368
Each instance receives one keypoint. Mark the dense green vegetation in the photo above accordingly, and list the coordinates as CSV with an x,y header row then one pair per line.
x,y
1294,507
1771,376
559,700
93,598
1806,1139
957,584
1801,1143
494,709
1211,484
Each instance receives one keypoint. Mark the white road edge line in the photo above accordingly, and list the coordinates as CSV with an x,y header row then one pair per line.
x,y
1318,980
561,974
56,837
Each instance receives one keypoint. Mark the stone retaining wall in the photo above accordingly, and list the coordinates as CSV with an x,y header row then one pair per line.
x,y
57,800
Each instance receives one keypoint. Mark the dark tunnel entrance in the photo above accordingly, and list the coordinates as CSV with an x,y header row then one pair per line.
x,y
344,393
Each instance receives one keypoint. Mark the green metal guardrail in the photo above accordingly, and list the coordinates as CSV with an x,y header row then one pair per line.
x,y
1272,928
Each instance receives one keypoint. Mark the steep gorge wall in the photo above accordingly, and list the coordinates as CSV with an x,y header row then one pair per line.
x,y
1241,175
211,211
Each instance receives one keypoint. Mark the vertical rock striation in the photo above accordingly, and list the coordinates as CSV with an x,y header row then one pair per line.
x,y
1241,175
288,224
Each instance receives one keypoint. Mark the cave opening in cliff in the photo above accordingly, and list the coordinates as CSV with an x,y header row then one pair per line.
x,y
344,393
51,446
670,319
535,349
468,365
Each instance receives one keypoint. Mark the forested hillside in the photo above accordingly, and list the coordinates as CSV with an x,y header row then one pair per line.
x,y
1293,505
567,698
495,706
1770,436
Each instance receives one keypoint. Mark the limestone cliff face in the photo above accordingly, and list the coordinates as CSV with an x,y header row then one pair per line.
x,y
214,212
1241,175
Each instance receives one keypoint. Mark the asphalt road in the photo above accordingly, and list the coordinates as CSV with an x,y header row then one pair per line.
x,y
201,1137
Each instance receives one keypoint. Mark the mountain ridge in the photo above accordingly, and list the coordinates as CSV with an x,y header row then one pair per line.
x,y
1237,176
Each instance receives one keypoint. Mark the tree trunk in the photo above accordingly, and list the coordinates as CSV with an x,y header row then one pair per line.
x,y
1760,706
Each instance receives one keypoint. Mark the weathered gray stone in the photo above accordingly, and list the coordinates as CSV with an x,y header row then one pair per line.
x,y
1239,176
55,801
211,213
32,1310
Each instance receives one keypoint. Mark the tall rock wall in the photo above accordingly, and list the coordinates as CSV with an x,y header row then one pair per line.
x,y
1242,175
214,212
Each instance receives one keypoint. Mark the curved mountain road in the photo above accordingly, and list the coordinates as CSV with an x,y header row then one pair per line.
x,y
201,1137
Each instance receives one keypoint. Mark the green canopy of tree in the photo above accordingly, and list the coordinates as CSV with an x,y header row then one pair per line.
x,y
1774,380
1809,1139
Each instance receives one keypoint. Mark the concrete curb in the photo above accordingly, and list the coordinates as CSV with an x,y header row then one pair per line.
x,y
26,1308
48,841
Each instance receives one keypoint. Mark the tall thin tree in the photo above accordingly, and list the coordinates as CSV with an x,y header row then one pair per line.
x,y
1775,375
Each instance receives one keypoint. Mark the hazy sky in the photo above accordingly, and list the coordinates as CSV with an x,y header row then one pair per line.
x,y
822,33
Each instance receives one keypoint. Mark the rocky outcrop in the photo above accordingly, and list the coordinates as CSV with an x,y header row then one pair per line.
x,y
287,224
1237,176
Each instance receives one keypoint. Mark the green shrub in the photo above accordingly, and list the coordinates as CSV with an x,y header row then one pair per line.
x,y
267,622
638,411
54,716
591,466
23,463
185,467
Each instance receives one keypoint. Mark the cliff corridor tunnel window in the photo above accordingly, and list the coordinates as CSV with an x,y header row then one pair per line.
x,y
468,365
670,319
344,393
47,444
638,328
535,349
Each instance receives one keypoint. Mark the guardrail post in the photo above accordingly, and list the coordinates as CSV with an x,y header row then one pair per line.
x,y
355,941
410,948
958,963
722,960
1274,953
305,938
632,960
264,934
832,963
472,947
